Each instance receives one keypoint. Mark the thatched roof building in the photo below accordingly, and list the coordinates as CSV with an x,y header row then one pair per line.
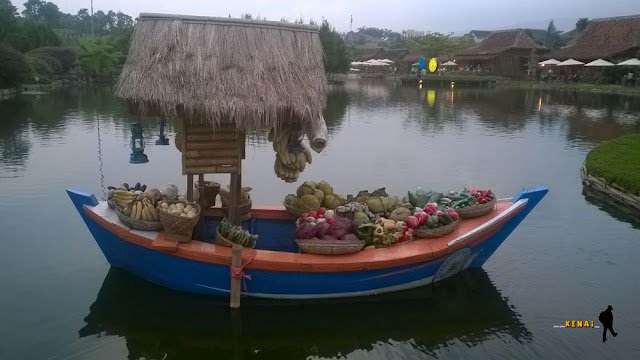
x,y
606,38
504,52
251,73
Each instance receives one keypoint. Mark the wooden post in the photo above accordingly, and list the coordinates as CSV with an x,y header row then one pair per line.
x,y
189,187
203,207
236,284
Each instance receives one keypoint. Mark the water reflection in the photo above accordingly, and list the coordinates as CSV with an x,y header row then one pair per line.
x,y
158,323
610,206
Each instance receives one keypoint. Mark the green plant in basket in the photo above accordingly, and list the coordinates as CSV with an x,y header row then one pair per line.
x,y
236,234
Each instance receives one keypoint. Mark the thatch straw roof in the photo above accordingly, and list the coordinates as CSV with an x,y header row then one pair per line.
x,y
498,42
252,73
606,38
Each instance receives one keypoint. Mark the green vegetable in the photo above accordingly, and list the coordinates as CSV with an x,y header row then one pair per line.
x,y
289,199
375,204
304,189
325,187
365,232
400,214
309,202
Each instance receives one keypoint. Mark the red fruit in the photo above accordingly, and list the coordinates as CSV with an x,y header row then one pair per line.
x,y
320,216
304,215
321,211
331,220
422,217
313,214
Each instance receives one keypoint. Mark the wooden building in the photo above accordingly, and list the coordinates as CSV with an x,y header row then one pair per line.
x,y
613,39
505,52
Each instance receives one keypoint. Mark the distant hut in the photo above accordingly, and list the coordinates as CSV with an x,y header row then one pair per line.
x,y
615,38
227,75
504,52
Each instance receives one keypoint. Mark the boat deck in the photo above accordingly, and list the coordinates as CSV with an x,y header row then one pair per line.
x,y
468,233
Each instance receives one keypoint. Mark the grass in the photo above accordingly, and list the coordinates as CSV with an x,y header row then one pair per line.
x,y
618,161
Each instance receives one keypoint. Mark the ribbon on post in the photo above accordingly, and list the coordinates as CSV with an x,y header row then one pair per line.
x,y
237,272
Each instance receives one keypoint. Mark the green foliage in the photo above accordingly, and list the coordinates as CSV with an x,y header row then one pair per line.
x,y
8,13
582,23
437,44
14,68
65,56
26,35
617,162
42,11
553,39
98,58
336,57
373,36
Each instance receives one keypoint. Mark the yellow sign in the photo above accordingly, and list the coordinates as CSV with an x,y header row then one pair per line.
x,y
433,65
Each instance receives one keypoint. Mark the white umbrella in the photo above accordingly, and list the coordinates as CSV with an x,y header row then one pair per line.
x,y
600,62
630,62
570,62
549,62
449,63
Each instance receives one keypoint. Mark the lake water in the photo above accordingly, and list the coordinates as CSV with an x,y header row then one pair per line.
x,y
570,258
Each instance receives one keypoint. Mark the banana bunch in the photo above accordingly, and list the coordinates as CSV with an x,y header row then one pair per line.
x,y
236,234
288,165
124,197
142,210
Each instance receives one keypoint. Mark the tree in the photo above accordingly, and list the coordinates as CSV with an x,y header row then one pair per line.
x,y
438,44
26,35
44,11
553,39
582,23
13,67
98,58
50,14
32,9
336,58
8,14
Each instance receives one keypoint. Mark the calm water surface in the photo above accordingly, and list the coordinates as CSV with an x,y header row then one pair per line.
x,y
569,259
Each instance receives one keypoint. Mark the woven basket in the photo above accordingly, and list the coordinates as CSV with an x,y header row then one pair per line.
x,y
329,247
112,202
208,192
177,225
138,224
477,210
244,210
425,232
222,241
294,211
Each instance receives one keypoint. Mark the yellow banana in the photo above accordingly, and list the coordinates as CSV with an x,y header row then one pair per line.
x,y
307,154
154,212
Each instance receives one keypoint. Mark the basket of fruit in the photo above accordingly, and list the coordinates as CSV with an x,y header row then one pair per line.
x,y
435,223
178,219
331,246
228,234
316,234
140,215
474,203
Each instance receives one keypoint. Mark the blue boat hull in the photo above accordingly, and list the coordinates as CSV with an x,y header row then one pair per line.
x,y
165,269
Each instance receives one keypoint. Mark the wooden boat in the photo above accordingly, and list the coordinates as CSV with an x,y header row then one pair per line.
x,y
276,269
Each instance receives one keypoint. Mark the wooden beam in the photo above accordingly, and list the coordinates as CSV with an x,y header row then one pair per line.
x,y
223,144
211,162
195,170
211,137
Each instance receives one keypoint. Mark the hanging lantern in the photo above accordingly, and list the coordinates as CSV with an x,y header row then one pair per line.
x,y
137,145
162,136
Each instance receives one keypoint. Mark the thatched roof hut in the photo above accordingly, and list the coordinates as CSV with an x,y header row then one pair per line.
x,y
247,72
606,38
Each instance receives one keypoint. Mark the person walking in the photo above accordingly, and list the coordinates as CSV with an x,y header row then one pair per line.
x,y
606,318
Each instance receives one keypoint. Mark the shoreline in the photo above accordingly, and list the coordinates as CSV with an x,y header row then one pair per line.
x,y
611,168
491,81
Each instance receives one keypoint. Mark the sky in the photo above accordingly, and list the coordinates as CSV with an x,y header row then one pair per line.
x,y
458,16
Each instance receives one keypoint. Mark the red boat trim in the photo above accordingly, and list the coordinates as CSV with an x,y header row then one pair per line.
x,y
410,253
